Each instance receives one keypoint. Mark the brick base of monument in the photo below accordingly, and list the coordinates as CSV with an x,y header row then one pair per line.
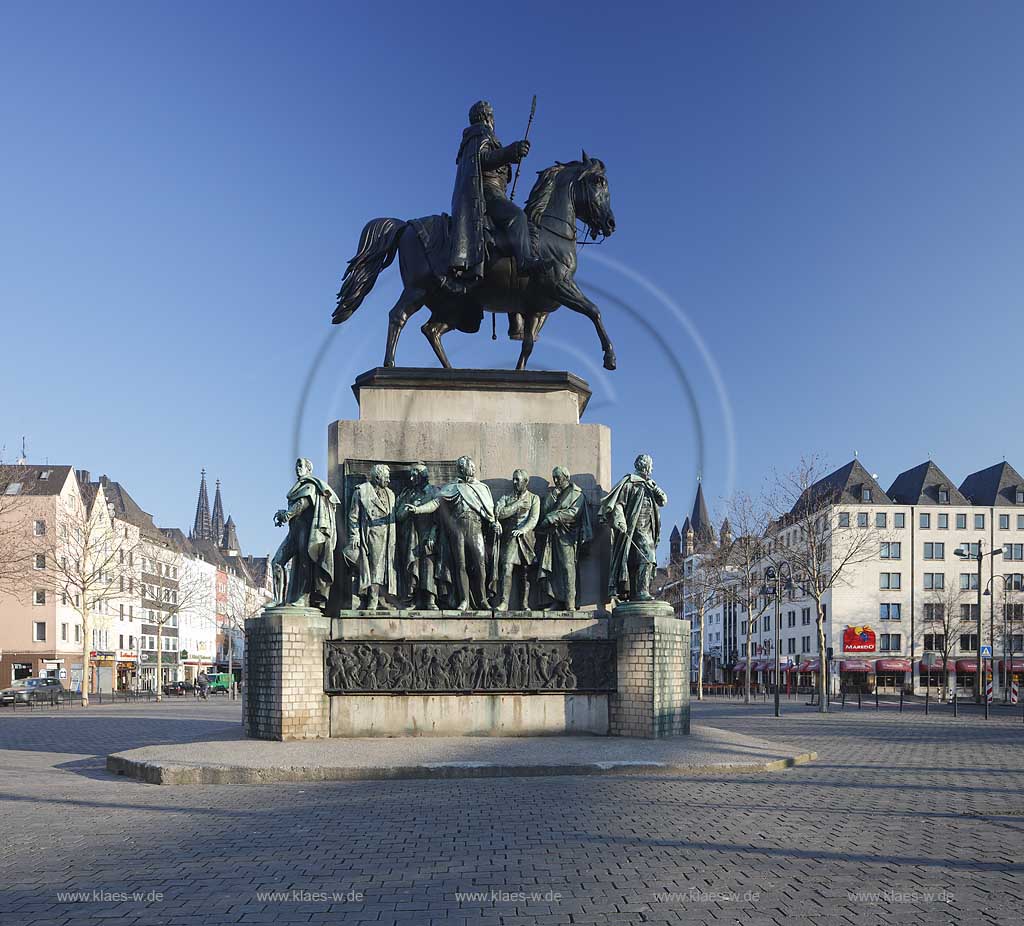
x,y
653,672
284,675
287,677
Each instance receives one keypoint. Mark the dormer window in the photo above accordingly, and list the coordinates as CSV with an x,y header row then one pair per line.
x,y
1020,495
865,494
943,495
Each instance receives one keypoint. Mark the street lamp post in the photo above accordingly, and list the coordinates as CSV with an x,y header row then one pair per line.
x,y
1007,584
775,574
965,553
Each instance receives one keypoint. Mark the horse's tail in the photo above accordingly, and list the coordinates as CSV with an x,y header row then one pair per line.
x,y
378,245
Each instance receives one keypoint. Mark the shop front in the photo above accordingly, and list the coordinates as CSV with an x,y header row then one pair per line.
x,y
855,676
891,675
102,668
1014,671
966,674
934,677
807,675
127,671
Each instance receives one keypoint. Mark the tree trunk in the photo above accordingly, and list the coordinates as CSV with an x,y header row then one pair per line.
x,y
700,654
159,660
746,668
823,667
231,663
85,658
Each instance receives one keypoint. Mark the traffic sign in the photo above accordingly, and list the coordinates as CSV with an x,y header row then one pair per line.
x,y
63,674
986,652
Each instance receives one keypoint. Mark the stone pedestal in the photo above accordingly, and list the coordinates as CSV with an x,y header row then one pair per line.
x,y
503,419
653,696
284,675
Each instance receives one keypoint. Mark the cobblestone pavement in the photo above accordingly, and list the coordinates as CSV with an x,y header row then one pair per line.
x,y
902,819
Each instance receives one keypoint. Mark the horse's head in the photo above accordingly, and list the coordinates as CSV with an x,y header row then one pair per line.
x,y
591,199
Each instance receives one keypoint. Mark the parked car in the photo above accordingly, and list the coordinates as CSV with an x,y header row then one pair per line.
x,y
178,688
27,690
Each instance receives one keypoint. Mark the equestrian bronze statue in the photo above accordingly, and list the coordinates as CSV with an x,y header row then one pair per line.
x,y
489,255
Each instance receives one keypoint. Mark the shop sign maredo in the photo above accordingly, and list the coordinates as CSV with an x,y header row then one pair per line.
x,y
859,640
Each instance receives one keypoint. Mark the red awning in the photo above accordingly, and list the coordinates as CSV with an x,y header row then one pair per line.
x,y
892,665
852,665
936,669
740,666
966,665
1016,665
808,665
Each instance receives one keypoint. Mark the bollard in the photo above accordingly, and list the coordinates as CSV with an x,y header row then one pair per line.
x,y
876,699
859,705
901,700
844,700
955,704
927,699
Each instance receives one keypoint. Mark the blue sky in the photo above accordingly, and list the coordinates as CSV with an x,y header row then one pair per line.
x,y
831,194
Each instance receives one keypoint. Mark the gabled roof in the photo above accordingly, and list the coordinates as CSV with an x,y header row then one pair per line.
x,y
920,486
33,479
845,486
208,551
996,485
126,508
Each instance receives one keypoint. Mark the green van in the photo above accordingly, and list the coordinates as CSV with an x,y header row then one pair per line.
x,y
219,681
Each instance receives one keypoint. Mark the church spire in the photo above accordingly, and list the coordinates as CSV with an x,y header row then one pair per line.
x,y
201,528
704,533
217,519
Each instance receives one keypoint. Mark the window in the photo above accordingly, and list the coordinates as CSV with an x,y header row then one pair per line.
x,y
934,551
889,580
889,611
862,519
13,488
39,631
120,641
39,596
935,580
121,611
899,519
1004,522
935,641
805,644
968,580
890,551
64,632
971,549
39,528
979,522
40,561
926,519
944,521
889,642
880,519
131,613
961,522
1013,612
943,495
791,645
131,642
1020,522
865,494
791,619
934,611
767,622
968,643
805,616
968,612
1013,551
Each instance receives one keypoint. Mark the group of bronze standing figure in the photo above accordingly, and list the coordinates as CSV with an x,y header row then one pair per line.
x,y
488,666
453,547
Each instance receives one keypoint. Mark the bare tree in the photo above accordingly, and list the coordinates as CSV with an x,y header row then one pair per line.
x,y
704,586
823,551
16,549
942,621
191,593
243,601
92,563
749,520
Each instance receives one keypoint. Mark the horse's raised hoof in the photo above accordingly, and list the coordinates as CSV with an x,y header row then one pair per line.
x,y
388,363
609,359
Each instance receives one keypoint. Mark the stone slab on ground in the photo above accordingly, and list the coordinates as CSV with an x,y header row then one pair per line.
x,y
246,761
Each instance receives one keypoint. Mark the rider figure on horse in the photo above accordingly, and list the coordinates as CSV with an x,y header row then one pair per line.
x,y
483,171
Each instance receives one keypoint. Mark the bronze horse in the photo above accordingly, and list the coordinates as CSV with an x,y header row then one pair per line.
x,y
562,194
